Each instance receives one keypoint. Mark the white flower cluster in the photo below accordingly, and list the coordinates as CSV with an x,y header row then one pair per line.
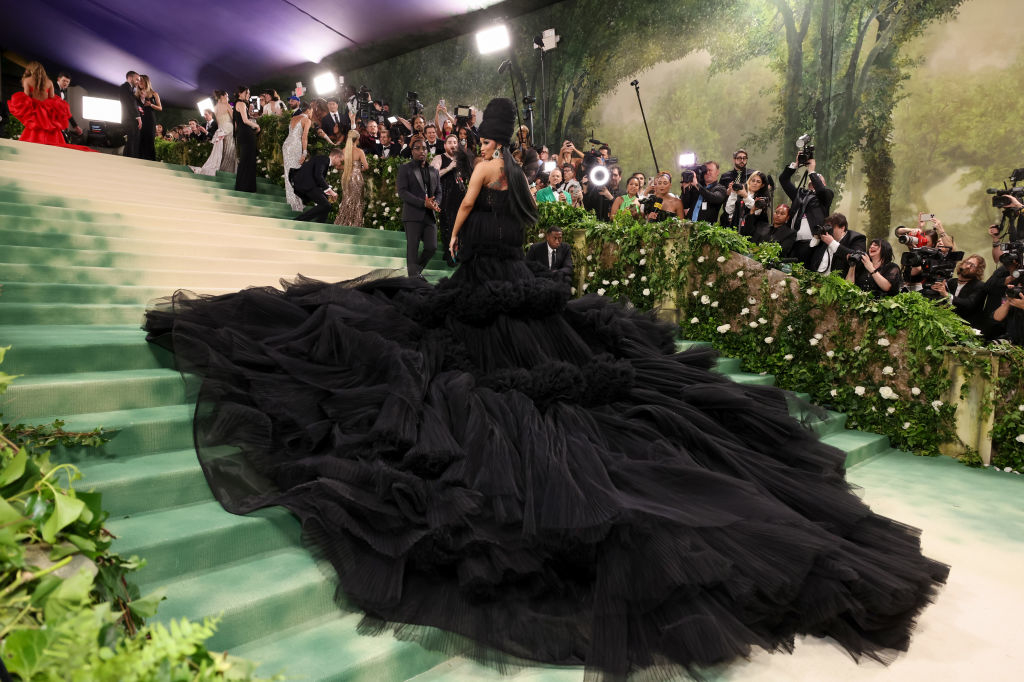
x,y
887,393
721,329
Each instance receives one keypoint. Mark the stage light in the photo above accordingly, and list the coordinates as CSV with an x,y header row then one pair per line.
x,y
325,83
101,109
598,176
204,104
492,39
687,159
550,166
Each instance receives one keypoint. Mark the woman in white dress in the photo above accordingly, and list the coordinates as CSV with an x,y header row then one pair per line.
x,y
222,156
294,151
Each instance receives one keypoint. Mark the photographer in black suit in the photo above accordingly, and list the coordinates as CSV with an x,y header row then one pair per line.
x,y
810,206
419,186
310,184
829,252
131,115
966,292
553,255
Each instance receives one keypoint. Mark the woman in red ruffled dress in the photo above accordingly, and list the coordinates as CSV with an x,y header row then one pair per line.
x,y
44,115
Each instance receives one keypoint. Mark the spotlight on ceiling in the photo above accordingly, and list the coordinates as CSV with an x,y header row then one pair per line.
x,y
325,83
492,39
204,104
101,109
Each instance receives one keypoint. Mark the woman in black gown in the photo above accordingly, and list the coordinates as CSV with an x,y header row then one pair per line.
x,y
545,476
149,100
245,143
454,167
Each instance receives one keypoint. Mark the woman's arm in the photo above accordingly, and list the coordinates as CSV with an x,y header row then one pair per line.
x,y
363,164
242,109
305,123
616,205
851,274
157,105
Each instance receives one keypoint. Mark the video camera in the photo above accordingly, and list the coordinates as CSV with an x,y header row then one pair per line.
x,y
937,265
804,150
695,171
364,105
413,98
1012,256
1000,199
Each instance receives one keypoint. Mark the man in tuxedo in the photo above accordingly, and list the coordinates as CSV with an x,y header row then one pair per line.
x,y
63,82
209,123
131,115
829,252
368,141
419,186
310,184
553,254
388,149
810,206
966,292
331,123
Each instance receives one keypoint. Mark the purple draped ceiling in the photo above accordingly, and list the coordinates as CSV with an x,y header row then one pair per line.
x,y
189,47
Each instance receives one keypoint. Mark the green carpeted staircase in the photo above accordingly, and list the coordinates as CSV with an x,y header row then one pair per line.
x,y
85,241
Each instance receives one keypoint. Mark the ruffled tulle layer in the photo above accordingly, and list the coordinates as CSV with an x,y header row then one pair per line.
x,y
546,477
44,120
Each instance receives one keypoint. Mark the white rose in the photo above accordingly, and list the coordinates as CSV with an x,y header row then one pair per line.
x,y
700,259
643,251
818,336
916,391
813,342
762,320
834,393
632,275
694,320
600,292
888,393
705,299
643,261
883,341
647,292
890,410
810,291
859,390
936,404
906,425
643,278
585,285
744,311
590,258
774,296
739,273
1020,438
830,353
856,348
721,329
720,259
887,369
753,325
714,304
769,339
789,328
751,300
387,210
615,282
573,290
604,282
710,283
787,357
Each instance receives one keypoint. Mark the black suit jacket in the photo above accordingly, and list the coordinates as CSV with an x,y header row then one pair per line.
x,y
783,235
414,193
561,264
371,146
394,150
970,304
330,127
851,241
63,94
129,106
310,175
814,202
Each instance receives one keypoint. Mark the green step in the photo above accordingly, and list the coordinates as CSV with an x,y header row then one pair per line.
x,y
135,432
199,537
66,349
332,650
47,292
859,446
147,483
71,313
254,599
84,392
460,669
749,379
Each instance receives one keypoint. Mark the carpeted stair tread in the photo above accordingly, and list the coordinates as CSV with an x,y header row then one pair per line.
x,y
134,432
199,536
80,392
751,379
55,349
71,313
460,669
332,650
57,292
147,483
858,445
255,598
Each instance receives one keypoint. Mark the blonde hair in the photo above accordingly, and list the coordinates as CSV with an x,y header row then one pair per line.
x,y
40,82
145,86
350,153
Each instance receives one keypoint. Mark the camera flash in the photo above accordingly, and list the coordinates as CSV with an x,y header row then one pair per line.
x,y
687,159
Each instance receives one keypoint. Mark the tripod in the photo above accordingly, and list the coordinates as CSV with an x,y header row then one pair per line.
x,y
636,85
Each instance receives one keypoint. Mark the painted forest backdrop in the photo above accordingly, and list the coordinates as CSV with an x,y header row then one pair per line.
x,y
912,104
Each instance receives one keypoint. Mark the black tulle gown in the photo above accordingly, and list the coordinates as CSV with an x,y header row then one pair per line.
x,y
545,476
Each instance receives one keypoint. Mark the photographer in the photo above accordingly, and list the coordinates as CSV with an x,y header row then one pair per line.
x,y
830,250
966,291
747,206
739,172
810,205
701,192
1010,316
874,271
1008,264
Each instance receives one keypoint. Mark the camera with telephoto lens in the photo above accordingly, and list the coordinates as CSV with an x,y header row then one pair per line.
x,y
937,265
1012,256
1002,196
818,230
760,203
804,150
854,257
915,239
1015,291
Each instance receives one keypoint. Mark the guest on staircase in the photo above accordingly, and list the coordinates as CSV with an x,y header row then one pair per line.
x,y
245,142
44,115
350,211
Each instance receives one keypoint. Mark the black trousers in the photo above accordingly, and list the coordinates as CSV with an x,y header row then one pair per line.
x,y
415,232
131,145
320,209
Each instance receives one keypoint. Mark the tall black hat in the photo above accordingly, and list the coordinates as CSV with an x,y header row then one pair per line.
x,y
499,119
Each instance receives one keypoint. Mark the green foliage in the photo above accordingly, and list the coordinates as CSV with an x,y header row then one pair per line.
x,y
184,152
382,209
67,610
